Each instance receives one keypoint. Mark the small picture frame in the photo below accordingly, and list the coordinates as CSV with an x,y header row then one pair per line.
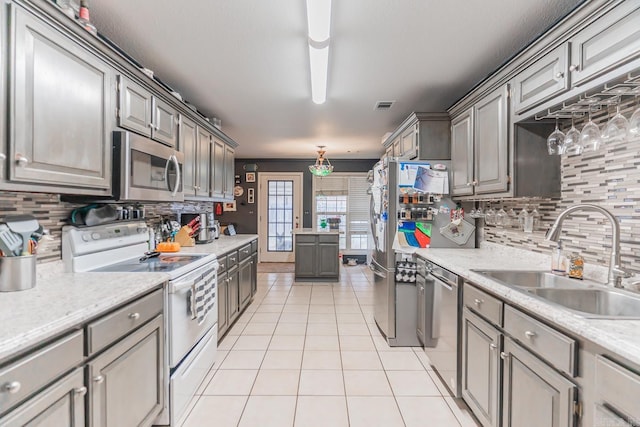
x,y
250,177
230,206
250,195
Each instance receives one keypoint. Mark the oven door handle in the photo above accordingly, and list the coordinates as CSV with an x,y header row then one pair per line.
x,y
179,286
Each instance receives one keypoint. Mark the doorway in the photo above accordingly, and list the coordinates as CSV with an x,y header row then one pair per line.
x,y
280,212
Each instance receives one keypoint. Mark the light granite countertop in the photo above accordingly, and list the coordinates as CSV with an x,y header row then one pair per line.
x,y
62,301
619,336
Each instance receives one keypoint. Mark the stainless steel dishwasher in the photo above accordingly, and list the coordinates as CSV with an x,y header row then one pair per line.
x,y
442,300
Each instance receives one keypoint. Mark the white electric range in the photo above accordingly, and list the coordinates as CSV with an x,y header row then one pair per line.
x,y
191,305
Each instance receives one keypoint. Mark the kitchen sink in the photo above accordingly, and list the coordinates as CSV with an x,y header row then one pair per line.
x,y
533,279
586,298
593,302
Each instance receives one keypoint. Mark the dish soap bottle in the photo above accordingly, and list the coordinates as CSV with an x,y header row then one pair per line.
x,y
558,261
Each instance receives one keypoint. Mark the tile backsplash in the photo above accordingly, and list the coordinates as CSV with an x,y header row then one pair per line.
x,y
53,213
610,178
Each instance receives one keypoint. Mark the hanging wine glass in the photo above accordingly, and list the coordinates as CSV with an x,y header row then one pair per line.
x,y
501,216
634,121
572,144
616,129
555,141
490,216
479,211
590,135
522,217
536,218
473,213
512,216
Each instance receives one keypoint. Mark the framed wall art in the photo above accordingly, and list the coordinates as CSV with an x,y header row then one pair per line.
x,y
250,177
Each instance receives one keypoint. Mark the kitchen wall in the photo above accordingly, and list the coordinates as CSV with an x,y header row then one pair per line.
x,y
609,178
245,219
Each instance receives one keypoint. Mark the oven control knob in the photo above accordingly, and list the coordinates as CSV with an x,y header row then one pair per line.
x,y
95,236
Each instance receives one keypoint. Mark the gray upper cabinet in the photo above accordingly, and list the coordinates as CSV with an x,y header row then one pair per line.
x,y
534,395
611,40
491,142
60,128
134,107
424,136
143,113
462,154
203,157
229,172
544,79
218,188
188,146
165,120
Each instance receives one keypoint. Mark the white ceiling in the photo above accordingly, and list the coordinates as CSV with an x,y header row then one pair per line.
x,y
246,62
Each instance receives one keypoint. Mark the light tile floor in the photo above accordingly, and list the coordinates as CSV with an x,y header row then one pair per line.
x,y
310,355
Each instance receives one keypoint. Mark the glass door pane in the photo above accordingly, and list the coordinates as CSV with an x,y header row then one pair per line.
x,y
280,216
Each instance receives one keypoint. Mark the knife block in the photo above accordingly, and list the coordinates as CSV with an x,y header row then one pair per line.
x,y
183,238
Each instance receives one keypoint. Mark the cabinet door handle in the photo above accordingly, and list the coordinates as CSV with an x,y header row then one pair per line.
x,y
474,183
559,75
503,355
3,156
12,387
477,302
21,160
574,67
493,346
134,316
99,379
80,391
529,334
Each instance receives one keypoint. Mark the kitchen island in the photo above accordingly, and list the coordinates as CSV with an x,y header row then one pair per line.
x,y
316,254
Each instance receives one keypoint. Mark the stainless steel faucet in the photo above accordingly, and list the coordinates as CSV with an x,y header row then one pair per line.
x,y
616,273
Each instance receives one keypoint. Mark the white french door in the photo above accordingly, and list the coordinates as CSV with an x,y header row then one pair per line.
x,y
280,207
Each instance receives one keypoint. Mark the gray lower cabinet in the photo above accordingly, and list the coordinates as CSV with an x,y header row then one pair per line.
x,y
233,301
422,308
223,310
317,257
126,382
61,405
534,394
616,393
245,271
254,272
481,343
60,130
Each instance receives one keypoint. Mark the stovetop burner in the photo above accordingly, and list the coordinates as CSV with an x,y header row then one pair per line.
x,y
162,263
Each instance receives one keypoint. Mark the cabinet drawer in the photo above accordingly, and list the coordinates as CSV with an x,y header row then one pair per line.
x,y
484,304
244,252
222,260
305,238
37,369
551,345
618,387
232,260
109,328
332,238
254,246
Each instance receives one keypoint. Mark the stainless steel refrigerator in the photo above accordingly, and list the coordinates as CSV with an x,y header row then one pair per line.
x,y
399,199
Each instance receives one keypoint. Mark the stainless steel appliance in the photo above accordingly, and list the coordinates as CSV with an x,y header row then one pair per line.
x,y
392,207
441,303
145,170
191,304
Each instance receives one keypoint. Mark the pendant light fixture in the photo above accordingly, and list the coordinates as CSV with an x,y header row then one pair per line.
x,y
323,166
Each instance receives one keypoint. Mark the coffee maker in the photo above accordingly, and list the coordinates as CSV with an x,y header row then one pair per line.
x,y
205,233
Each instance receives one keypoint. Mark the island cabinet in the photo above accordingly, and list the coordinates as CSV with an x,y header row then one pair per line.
x,y
59,110
317,256
516,370
108,372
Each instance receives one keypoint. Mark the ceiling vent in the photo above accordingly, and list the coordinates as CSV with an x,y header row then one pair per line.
x,y
384,105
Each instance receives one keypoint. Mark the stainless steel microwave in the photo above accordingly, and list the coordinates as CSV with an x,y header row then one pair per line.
x,y
145,170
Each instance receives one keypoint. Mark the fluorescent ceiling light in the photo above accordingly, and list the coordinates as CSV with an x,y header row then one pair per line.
x,y
319,62
319,19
